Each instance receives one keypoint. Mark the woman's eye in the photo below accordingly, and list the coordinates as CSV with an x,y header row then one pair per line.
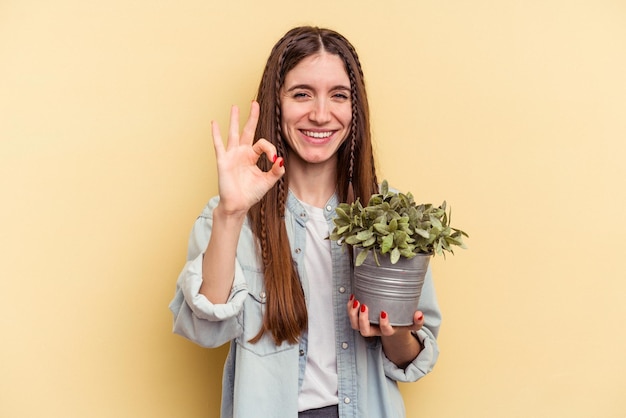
x,y
300,95
342,96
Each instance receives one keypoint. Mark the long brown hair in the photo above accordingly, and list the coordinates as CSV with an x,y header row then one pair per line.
x,y
286,314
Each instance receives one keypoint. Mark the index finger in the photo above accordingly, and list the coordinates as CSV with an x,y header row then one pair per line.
x,y
233,128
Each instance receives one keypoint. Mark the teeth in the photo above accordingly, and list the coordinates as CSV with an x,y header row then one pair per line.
x,y
317,134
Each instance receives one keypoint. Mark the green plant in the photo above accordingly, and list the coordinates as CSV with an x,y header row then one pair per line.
x,y
392,223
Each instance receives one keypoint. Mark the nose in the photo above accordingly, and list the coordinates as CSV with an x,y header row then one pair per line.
x,y
320,112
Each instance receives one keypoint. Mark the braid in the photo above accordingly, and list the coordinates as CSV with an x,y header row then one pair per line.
x,y
263,232
279,130
374,177
353,130
364,171
354,110
356,56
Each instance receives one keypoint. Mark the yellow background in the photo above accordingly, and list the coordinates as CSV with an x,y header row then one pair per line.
x,y
512,111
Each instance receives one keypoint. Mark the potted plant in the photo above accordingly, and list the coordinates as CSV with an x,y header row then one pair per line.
x,y
393,239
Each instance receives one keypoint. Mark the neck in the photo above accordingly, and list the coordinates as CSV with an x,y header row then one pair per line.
x,y
313,183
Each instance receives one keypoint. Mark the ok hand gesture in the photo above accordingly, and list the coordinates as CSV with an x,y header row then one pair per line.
x,y
241,182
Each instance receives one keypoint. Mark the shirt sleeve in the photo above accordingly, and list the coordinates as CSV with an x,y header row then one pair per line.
x,y
195,317
427,336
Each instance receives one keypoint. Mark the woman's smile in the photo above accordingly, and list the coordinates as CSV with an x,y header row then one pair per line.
x,y
317,137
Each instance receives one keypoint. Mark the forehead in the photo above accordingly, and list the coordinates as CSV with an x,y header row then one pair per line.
x,y
319,69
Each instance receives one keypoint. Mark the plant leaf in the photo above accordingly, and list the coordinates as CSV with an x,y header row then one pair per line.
x,y
364,235
381,229
393,225
342,213
384,188
361,257
395,256
369,242
352,240
386,244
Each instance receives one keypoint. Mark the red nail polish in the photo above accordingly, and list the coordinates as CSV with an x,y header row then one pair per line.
x,y
419,318
363,307
383,314
355,304
275,158
351,297
282,162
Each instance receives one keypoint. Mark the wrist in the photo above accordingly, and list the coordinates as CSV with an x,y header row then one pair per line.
x,y
419,341
401,348
402,341
229,216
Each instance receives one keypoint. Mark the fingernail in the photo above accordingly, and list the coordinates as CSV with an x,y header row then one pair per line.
x,y
275,158
351,297
383,314
282,162
355,304
363,307
419,318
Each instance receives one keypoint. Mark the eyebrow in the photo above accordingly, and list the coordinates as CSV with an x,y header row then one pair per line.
x,y
308,87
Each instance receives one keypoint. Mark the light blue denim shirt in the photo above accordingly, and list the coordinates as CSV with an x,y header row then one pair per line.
x,y
262,380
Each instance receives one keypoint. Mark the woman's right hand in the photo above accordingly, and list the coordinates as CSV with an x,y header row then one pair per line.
x,y
241,182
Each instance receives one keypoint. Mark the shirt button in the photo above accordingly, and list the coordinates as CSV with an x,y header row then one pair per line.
x,y
301,352
344,345
303,215
298,250
329,208
342,289
262,295
346,400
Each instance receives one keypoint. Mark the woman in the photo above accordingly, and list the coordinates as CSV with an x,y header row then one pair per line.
x,y
260,272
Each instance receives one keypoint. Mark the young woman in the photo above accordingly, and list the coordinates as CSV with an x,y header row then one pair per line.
x,y
261,273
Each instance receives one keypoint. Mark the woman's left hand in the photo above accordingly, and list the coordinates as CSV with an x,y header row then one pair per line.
x,y
398,344
359,320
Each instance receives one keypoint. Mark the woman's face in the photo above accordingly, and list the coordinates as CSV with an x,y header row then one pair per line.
x,y
316,107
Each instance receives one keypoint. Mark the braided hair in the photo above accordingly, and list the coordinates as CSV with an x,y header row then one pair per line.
x,y
285,315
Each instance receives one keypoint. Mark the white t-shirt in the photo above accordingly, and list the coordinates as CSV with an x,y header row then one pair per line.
x,y
319,387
